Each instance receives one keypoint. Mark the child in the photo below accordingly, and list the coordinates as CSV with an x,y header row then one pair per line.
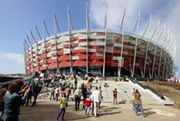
x,y
87,104
63,105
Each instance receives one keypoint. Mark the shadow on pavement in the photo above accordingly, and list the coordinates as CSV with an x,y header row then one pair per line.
x,y
109,111
48,112
148,112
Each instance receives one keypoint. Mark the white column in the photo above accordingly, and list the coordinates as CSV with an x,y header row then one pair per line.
x,y
159,66
137,27
31,44
105,40
69,29
164,67
87,33
154,59
122,47
47,32
37,55
25,55
147,47
56,29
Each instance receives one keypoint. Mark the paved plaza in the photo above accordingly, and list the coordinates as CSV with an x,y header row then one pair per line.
x,y
154,111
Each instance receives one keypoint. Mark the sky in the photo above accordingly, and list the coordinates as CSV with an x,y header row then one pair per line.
x,y
19,17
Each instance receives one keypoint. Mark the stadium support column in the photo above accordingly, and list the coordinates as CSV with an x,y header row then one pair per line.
x,y
159,66
87,38
45,49
170,58
167,69
46,29
37,55
105,41
154,59
122,30
56,28
164,68
32,65
38,33
166,41
145,30
136,27
155,52
147,48
26,47
69,29
145,61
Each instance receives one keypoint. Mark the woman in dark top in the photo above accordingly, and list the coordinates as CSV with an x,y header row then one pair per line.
x,y
13,99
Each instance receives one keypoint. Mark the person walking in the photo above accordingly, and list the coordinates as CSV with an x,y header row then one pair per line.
x,y
77,95
87,104
29,94
115,92
35,92
56,92
101,97
84,92
52,93
137,103
62,106
95,97
75,82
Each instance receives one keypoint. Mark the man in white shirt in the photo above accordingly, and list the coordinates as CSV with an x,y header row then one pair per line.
x,y
95,97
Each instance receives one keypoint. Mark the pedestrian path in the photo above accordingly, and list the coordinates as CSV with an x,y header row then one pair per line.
x,y
125,92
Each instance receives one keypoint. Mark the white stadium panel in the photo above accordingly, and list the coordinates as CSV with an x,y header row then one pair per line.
x,y
53,58
83,44
79,48
66,51
75,57
91,50
99,37
92,43
117,44
63,39
80,36
100,42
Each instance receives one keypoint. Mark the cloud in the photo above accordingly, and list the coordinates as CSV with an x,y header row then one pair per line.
x,y
173,21
11,63
115,9
167,11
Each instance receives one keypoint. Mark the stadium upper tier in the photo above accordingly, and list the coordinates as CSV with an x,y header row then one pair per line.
x,y
101,52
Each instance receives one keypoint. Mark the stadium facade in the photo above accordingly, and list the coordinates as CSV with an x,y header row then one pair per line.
x,y
101,52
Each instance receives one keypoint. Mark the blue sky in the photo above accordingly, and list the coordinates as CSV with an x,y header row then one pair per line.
x,y
18,18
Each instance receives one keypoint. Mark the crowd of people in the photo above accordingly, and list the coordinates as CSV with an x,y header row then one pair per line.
x,y
58,88
91,97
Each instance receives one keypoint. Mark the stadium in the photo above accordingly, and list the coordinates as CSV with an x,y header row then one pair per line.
x,y
102,52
